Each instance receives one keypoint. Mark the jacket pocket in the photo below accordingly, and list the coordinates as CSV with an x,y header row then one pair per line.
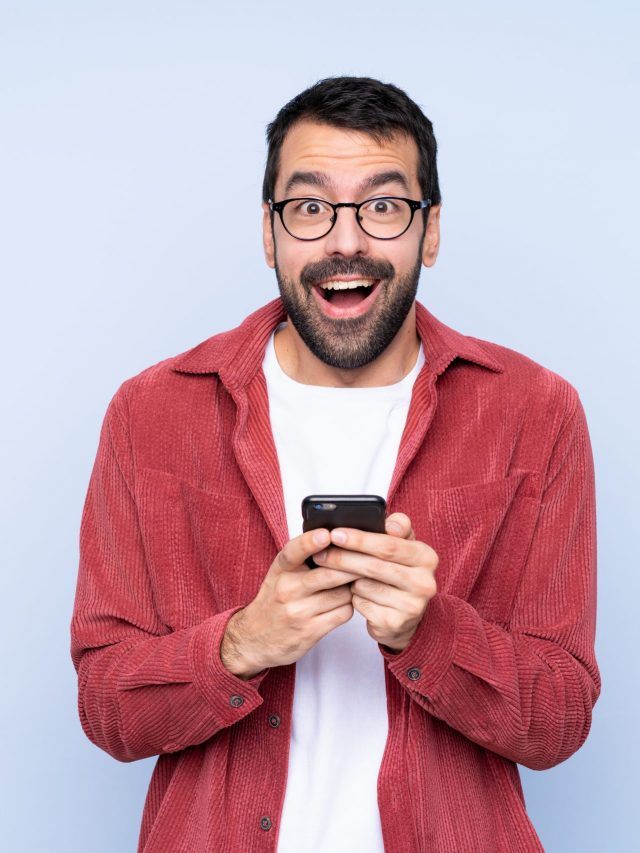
x,y
196,546
482,533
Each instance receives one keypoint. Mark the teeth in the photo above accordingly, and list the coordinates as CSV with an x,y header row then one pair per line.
x,y
346,285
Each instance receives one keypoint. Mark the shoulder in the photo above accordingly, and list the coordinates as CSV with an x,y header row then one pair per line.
x,y
511,380
234,355
163,389
540,391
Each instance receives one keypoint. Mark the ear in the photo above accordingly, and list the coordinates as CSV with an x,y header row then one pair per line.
x,y
432,237
267,236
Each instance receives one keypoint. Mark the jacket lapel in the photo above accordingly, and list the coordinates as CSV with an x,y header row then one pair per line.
x,y
256,454
442,345
236,356
421,411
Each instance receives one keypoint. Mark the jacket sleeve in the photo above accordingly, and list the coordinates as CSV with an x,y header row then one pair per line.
x,y
526,692
142,689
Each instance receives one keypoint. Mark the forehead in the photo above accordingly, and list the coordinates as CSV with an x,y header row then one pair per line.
x,y
346,156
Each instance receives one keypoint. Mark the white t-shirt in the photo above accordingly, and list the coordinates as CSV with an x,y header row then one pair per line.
x,y
345,441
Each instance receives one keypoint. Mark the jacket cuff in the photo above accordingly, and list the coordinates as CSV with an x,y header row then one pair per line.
x,y
422,664
229,696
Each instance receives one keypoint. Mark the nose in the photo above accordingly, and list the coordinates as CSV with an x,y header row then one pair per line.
x,y
346,237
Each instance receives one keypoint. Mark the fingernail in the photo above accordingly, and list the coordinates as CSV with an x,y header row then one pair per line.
x,y
394,527
339,536
321,537
320,556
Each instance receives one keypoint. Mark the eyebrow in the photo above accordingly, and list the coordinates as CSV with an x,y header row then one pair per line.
x,y
319,179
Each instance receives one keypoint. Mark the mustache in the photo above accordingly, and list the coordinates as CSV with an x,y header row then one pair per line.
x,y
314,273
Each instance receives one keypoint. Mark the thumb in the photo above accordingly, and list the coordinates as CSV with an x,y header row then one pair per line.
x,y
399,524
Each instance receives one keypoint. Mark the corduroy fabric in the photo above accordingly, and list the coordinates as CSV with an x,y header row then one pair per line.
x,y
184,513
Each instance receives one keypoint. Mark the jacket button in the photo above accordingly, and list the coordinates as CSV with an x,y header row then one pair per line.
x,y
265,823
236,701
274,721
413,673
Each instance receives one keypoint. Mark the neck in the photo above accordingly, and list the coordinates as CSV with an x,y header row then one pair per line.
x,y
391,366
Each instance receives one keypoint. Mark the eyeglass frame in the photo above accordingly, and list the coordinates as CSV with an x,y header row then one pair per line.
x,y
277,207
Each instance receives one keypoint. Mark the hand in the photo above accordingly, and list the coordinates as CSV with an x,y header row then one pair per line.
x,y
294,608
396,577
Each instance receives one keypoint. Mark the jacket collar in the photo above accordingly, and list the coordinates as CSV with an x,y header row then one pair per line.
x,y
237,355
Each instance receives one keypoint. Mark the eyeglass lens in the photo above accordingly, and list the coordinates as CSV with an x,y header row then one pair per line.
x,y
381,217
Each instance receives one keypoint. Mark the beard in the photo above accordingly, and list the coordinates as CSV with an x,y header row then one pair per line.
x,y
349,342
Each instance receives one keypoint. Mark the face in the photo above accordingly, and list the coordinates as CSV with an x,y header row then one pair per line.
x,y
348,328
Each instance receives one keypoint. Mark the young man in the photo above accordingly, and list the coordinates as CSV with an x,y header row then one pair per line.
x,y
383,700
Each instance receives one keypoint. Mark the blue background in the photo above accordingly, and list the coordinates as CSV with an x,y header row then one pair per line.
x,y
132,155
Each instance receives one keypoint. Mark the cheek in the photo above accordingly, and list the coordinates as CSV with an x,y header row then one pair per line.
x,y
292,259
404,259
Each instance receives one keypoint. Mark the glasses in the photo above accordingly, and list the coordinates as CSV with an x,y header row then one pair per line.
x,y
383,218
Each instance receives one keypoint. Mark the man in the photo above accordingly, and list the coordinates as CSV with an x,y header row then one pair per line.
x,y
383,700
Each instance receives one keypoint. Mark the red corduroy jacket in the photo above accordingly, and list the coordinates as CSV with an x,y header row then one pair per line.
x,y
183,516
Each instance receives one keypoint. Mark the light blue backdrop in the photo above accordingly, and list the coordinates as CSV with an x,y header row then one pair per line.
x,y
132,153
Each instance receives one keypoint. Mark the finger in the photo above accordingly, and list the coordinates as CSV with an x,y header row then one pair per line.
x,y
399,524
375,614
388,596
324,578
296,550
366,566
395,549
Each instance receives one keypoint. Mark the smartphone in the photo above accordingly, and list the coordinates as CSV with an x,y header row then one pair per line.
x,y
364,512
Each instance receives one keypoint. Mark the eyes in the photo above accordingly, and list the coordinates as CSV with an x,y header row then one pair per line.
x,y
376,207
384,217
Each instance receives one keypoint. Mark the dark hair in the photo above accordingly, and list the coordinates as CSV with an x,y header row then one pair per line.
x,y
357,103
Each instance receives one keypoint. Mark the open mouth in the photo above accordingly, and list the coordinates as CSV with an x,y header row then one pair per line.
x,y
346,298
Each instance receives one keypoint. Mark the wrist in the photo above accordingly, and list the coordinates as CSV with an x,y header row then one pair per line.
x,y
233,649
